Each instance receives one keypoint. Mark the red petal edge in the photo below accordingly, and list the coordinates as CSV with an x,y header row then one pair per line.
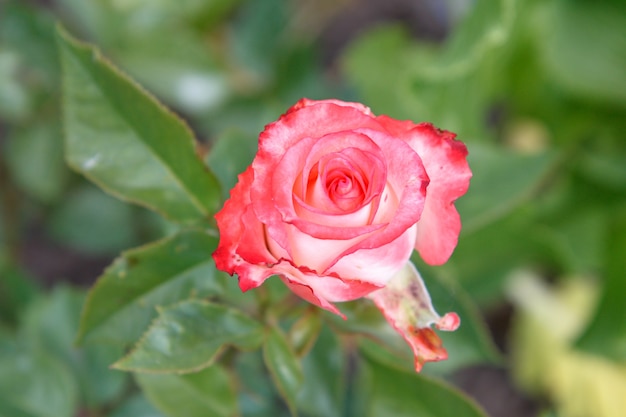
x,y
445,160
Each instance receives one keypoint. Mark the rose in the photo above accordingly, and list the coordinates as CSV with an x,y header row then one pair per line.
x,y
334,203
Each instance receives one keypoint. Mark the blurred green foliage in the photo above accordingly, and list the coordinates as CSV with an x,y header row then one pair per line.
x,y
536,89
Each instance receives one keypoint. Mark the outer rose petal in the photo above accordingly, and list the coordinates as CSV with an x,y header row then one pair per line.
x,y
407,307
305,102
319,289
242,248
377,265
445,161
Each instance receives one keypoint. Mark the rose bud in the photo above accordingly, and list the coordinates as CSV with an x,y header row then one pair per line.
x,y
334,203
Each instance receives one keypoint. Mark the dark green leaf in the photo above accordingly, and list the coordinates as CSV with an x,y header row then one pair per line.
x,y
483,32
606,333
364,318
399,394
91,221
121,304
259,38
520,241
324,386
501,181
36,385
283,365
226,163
304,332
428,80
568,36
28,64
579,236
256,394
35,158
121,138
136,406
16,291
188,336
50,324
203,394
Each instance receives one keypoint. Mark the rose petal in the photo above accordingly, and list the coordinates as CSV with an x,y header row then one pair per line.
x,y
406,305
298,231
307,251
305,102
399,208
300,159
306,293
242,249
321,290
407,182
342,182
325,288
304,120
445,161
377,265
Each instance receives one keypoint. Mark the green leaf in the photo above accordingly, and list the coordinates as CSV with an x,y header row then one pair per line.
x,y
304,332
502,180
203,394
121,304
228,164
383,51
188,336
606,333
35,157
256,394
36,385
427,79
325,385
399,394
284,367
135,406
364,318
175,64
49,325
92,221
17,290
259,38
522,240
579,235
29,73
122,139
568,37
484,31
15,99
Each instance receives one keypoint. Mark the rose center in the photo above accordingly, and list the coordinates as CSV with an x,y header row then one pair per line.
x,y
343,182
342,186
344,175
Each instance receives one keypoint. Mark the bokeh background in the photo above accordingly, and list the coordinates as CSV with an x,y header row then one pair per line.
x,y
536,89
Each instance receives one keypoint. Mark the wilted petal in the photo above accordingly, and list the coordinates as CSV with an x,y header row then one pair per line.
x,y
406,304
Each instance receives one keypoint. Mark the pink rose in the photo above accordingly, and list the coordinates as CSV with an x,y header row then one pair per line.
x,y
334,203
